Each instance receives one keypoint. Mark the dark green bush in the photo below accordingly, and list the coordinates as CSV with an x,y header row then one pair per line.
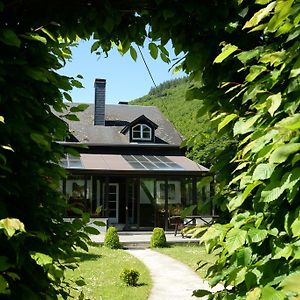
x,y
130,277
158,238
111,239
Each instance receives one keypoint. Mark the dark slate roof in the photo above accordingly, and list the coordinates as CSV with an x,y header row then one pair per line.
x,y
116,118
140,120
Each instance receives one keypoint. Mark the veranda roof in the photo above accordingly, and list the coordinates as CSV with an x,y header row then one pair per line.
x,y
127,164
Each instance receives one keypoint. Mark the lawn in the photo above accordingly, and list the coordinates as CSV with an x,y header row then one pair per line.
x,y
190,254
101,268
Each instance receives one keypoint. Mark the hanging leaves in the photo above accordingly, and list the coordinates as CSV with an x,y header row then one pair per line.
x,y
226,51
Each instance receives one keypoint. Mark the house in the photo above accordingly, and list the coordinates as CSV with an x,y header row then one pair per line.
x,y
133,166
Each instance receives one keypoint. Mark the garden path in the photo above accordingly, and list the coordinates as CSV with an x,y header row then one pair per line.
x,y
172,280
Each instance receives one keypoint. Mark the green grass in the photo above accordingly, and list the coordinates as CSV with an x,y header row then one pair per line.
x,y
101,268
190,254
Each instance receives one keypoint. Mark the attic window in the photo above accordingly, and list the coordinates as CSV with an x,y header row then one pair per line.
x,y
141,132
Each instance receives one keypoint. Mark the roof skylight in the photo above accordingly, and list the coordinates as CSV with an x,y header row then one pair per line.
x,y
142,162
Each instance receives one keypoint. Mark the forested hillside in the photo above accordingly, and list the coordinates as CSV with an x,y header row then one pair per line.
x,y
197,129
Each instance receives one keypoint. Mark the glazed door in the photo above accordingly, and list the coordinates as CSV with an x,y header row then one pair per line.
x,y
113,202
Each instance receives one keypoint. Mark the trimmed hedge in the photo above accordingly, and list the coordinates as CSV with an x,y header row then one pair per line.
x,y
111,239
158,238
130,277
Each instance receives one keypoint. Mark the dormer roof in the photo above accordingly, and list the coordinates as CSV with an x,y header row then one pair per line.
x,y
140,120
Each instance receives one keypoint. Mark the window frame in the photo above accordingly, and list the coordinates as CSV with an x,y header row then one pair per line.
x,y
141,127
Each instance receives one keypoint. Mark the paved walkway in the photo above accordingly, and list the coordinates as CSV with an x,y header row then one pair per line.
x,y
142,237
172,280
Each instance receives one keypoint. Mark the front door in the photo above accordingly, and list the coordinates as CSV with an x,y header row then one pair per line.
x,y
113,202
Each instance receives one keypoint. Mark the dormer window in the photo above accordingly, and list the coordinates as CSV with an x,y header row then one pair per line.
x,y
141,132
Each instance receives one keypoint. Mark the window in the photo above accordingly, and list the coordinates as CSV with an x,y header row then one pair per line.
x,y
141,132
173,192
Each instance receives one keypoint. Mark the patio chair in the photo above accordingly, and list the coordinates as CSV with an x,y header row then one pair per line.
x,y
177,222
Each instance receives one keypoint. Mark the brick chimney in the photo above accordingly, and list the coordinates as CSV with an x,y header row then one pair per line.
x,y
99,115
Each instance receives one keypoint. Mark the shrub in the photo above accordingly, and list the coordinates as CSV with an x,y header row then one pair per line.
x,y
111,239
158,238
130,277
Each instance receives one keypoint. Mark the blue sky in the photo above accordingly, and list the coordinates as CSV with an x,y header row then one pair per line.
x,y
125,78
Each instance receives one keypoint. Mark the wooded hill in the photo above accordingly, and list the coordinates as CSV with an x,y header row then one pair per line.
x,y
199,132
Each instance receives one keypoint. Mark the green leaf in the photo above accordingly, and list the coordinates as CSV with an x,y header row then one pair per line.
x,y
13,276
91,230
81,296
133,53
260,15
257,235
36,74
99,223
201,293
254,294
269,293
281,154
226,121
35,37
295,71
4,263
168,13
274,102
76,210
193,93
4,287
71,117
255,71
80,282
39,139
205,181
295,227
164,58
263,171
98,210
235,238
250,188
226,51
295,159
67,96
153,50
273,58
163,49
77,84
282,10
95,46
41,258
272,194
82,245
11,225
9,37
285,252
244,256
248,55
292,123
85,217
1,119
188,211
262,2
237,201
216,231
244,125
7,148
109,24
291,283
49,34
79,108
